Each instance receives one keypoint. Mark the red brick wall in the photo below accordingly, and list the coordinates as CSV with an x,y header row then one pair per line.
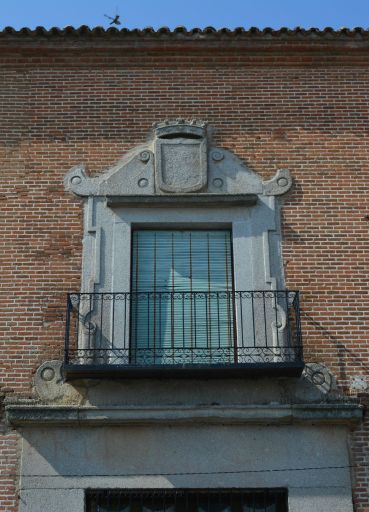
x,y
305,112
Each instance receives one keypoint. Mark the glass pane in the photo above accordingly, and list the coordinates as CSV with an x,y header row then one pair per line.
x,y
182,304
181,261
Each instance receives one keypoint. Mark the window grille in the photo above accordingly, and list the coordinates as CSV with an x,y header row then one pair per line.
x,y
233,500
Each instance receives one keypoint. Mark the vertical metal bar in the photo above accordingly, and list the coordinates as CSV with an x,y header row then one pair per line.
x,y
90,503
206,320
253,318
229,318
160,322
67,329
230,303
154,347
226,240
285,502
233,322
243,503
288,324
194,309
88,506
298,326
89,329
125,321
183,321
241,319
218,319
265,320
172,296
108,500
208,342
147,294
152,504
112,321
97,498
135,299
275,305
101,321
76,326
136,309
183,504
191,312
233,325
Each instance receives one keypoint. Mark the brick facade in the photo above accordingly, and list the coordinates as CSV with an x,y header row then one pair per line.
x,y
285,102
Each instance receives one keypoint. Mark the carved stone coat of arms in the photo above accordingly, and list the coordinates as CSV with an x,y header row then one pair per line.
x,y
180,158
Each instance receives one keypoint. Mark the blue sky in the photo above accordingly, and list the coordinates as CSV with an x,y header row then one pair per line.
x,y
190,13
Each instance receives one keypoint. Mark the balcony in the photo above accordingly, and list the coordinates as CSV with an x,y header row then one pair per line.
x,y
183,334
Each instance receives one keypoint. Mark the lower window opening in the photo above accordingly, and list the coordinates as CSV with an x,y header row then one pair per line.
x,y
230,500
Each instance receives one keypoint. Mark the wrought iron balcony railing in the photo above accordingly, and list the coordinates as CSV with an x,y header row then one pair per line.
x,y
175,333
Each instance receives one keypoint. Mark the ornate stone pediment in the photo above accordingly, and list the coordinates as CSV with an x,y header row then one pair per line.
x,y
178,160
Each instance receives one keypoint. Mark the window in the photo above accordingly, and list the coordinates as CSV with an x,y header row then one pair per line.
x,y
160,302
254,500
182,303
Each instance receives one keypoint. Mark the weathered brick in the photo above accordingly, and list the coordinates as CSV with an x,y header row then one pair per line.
x,y
303,109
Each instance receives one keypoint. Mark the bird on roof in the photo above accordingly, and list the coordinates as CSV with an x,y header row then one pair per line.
x,y
114,20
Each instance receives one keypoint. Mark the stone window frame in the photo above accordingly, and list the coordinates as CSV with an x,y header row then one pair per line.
x,y
145,189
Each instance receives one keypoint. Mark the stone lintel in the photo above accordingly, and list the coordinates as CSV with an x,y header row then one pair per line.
x,y
175,201
33,415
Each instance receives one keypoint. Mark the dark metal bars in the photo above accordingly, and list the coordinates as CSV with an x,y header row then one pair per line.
x,y
183,328
186,500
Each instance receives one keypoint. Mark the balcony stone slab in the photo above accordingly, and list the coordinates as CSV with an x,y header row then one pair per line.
x,y
35,414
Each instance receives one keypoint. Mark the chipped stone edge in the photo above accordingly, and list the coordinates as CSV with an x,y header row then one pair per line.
x,y
279,184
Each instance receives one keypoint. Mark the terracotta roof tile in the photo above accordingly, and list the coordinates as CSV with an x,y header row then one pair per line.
x,y
208,32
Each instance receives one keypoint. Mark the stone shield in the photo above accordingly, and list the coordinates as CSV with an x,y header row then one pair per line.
x,y
181,165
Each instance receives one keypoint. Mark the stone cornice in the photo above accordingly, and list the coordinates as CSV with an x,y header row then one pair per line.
x,y
279,414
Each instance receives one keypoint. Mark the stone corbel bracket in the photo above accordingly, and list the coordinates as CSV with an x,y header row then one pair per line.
x,y
50,386
79,183
279,184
